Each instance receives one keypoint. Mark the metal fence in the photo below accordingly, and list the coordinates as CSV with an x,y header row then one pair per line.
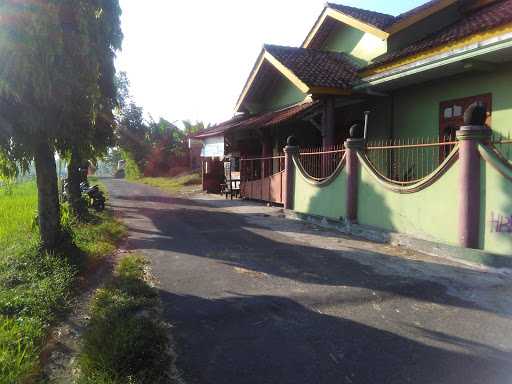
x,y
260,167
408,160
503,144
320,163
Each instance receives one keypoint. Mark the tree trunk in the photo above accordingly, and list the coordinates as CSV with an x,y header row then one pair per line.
x,y
48,196
74,180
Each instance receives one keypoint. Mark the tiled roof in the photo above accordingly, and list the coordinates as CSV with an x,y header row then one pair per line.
x,y
263,120
483,19
293,112
379,20
220,128
317,68
415,11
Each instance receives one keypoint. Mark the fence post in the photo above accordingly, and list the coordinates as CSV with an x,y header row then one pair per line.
x,y
469,136
290,151
353,146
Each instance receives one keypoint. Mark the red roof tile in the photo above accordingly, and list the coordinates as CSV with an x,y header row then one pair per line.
x,y
220,128
379,20
415,11
266,119
290,113
317,68
483,19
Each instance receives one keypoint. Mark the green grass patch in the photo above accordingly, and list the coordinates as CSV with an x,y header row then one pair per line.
x,y
17,213
35,287
125,342
172,184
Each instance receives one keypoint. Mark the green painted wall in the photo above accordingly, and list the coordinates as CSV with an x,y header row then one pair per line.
x,y
328,201
416,111
496,204
430,214
362,46
282,94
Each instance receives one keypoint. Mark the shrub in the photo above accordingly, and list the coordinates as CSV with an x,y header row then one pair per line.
x,y
125,342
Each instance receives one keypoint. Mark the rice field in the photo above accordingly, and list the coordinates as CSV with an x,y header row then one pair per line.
x,y
17,213
36,287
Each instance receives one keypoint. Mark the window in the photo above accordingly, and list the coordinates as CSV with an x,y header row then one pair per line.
x,y
452,114
451,117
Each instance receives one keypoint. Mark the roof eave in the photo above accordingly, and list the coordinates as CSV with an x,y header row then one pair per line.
x,y
318,91
266,56
417,17
345,19
477,41
475,49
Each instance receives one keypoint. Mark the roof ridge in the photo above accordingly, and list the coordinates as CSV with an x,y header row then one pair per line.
x,y
415,10
329,4
316,50
377,19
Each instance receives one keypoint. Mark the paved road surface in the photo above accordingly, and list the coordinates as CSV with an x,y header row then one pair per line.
x,y
260,299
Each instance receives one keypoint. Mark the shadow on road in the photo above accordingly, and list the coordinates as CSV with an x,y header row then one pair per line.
x,y
270,339
230,238
280,338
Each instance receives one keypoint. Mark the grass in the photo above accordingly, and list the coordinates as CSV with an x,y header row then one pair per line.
x,y
35,287
125,342
17,212
172,184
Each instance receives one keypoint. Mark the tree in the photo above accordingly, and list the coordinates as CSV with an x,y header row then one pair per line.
x,y
39,84
132,134
91,124
193,128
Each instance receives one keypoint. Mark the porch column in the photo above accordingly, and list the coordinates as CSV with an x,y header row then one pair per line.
x,y
203,173
328,125
290,150
352,146
266,151
469,137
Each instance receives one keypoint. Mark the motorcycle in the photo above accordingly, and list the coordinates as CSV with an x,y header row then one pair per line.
x,y
96,198
93,195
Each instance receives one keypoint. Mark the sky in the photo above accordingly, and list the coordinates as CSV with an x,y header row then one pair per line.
x,y
190,59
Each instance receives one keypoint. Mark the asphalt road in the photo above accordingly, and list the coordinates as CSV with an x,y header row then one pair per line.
x,y
255,298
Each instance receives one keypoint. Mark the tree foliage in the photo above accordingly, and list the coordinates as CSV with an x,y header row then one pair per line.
x,y
149,147
56,87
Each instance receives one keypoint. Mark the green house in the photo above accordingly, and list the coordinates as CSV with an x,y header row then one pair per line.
x,y
406,81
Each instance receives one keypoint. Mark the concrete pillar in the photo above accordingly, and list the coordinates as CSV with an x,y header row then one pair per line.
x,y
352,147
328,123
469,137
290,151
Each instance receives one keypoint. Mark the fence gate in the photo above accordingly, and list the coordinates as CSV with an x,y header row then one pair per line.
x,y
262,179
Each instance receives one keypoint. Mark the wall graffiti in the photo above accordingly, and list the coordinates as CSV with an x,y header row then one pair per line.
x,y
501,223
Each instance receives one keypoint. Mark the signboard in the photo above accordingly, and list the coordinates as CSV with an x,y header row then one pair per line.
x,y
213,147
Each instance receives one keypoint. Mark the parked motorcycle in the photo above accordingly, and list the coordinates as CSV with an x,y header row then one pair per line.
x,y
96,198
93,195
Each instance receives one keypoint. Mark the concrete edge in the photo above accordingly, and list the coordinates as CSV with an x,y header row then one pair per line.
x,y
471,257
